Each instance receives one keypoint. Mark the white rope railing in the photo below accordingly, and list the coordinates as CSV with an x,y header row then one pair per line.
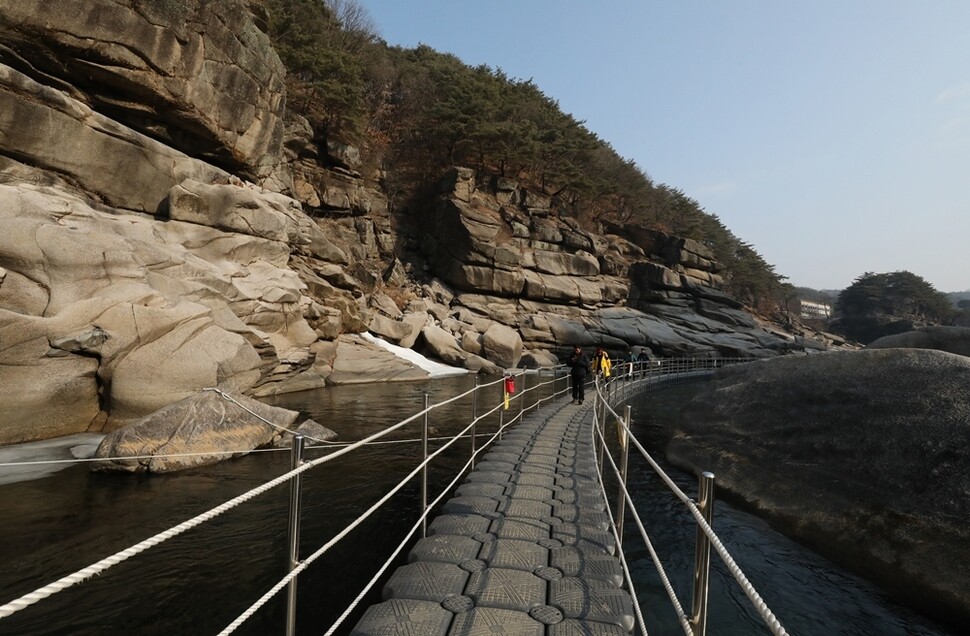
x,y
241,451
370,584
757,602
242,618
347,447
252,609
627,574
99,567
661,571
327,443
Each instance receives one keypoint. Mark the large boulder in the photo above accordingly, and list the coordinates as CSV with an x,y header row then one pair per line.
x,y
502,345
443,345
861,454
952,339
196,74
202,429
393,330
353,359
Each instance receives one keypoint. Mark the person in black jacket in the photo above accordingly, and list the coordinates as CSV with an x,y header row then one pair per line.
x,y
578,369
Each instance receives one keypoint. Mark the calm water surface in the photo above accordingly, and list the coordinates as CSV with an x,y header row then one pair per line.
x,y
201,581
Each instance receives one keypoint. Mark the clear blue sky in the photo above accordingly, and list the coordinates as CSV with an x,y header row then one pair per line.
x,y
832,135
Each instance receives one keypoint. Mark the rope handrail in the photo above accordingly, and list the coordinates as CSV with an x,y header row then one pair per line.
x,y
336,625
766,614
661,571
616,536
100,566
104,564
242,618
321,442
348,447
331,444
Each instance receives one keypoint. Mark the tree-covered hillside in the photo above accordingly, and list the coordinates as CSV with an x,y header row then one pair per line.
x,y
414,113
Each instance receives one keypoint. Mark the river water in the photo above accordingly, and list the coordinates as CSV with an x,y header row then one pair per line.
x,y
200,581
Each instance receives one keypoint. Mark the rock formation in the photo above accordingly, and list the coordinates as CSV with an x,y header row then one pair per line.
x,y
155,237
951,339
195,74
201,429
860,454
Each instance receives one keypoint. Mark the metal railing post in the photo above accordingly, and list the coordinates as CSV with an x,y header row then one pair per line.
x,y
624,460
600,438
702,555
599,408
474,417
501,421
424,470
522,397
296,499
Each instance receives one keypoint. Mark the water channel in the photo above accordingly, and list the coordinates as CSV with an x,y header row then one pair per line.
x,y
201,581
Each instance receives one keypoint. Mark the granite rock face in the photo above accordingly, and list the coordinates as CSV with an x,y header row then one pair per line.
x,y
516,261
166,225
860,454
198,74
81,150
117,313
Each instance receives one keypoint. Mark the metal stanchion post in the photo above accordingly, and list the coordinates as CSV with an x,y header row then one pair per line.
x,y
702,556
296,499
522,398
424,470
624,461
599,409
600,431
474,417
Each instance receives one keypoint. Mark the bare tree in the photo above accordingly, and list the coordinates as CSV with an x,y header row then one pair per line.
x,y
358,27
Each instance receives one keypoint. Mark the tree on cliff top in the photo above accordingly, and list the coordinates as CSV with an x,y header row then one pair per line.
x,y
323,45
875,305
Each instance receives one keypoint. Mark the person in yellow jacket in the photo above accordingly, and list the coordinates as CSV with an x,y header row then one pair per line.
x,y
601,362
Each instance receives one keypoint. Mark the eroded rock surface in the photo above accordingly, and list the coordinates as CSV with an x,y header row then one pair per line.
x,y
140,261
862,455
193,73
202,429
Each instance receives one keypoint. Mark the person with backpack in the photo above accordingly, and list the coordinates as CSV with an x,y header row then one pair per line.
x,y
631,364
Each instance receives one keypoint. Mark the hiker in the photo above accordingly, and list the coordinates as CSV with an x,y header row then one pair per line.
x,y
602,364
578,368
631,363
643,361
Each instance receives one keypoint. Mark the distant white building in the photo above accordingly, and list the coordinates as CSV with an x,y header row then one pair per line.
x,y
810,309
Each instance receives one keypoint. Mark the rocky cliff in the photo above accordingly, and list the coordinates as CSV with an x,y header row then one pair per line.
x,y
166,225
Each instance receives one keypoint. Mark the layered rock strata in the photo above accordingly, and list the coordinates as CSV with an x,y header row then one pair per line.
x,y
139,263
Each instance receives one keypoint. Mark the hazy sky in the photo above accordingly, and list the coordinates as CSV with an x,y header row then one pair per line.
x,y
832,135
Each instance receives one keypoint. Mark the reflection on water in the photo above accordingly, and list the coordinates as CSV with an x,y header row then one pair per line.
x,y
201,581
